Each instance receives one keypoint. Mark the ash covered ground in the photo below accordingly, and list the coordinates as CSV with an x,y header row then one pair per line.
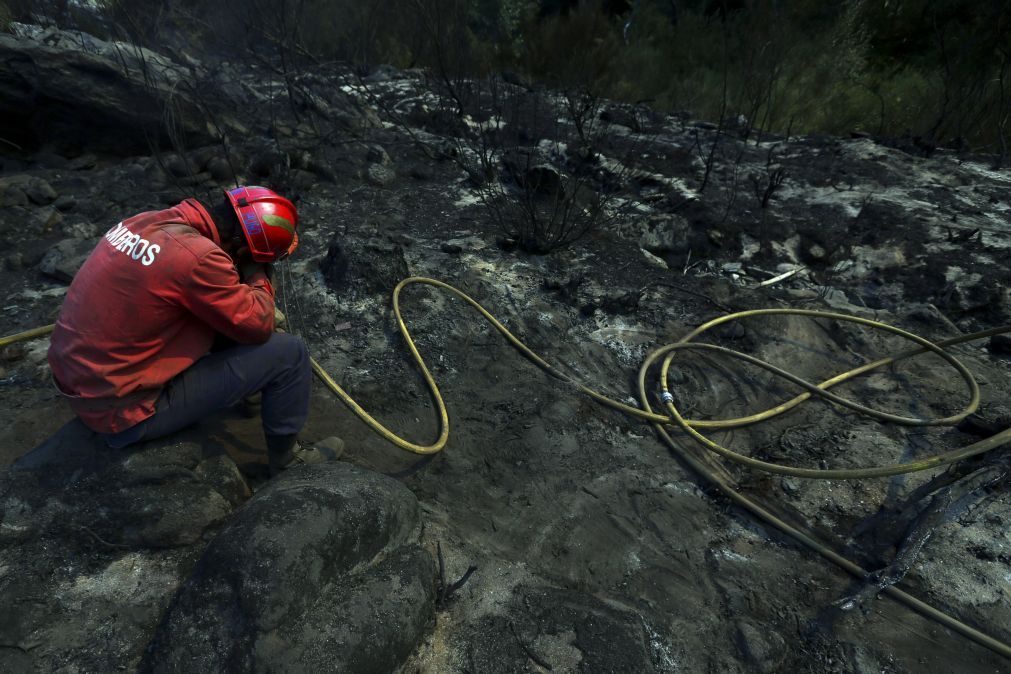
x,y
595,549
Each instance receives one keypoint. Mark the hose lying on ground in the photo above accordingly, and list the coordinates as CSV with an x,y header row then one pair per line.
x,y
673,418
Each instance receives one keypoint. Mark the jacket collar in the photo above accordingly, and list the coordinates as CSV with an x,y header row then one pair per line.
x,y
197,217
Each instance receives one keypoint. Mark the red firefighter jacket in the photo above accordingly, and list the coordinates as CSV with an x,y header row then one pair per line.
x,y
144,307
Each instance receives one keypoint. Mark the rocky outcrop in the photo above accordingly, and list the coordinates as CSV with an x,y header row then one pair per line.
x,y
321,571
594,550
93,542
72,91
98,547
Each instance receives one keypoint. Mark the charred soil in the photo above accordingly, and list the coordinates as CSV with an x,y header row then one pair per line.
x,y
596,550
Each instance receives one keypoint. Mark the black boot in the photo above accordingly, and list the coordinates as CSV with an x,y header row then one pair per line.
x,y
284,451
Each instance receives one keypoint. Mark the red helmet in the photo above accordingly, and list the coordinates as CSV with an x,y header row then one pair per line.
x,y
268,222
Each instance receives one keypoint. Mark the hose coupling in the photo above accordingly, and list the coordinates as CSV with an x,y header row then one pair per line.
x,y
667,397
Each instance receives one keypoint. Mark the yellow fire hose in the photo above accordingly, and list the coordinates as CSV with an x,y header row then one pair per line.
x,y
691,426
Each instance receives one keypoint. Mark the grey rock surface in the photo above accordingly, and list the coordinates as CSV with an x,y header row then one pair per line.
x,y
44,220
40,192
380,175
65,258
65,202
104,550
319,571
12,195
93,542
378,155
662,234
547,628
764,649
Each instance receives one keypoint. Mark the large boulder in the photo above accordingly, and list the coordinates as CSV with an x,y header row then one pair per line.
x,y
72,91
118,559
320,571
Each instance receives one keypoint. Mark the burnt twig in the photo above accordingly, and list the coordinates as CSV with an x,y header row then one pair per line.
x,y
446,591
116,546
774,180
963,236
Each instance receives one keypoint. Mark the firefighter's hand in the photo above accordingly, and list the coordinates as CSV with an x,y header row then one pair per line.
x,y
248,268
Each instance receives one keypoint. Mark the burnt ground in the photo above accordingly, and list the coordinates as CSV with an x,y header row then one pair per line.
x,y
593,544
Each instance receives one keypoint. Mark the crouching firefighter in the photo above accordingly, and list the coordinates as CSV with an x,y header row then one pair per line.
x,y
132,348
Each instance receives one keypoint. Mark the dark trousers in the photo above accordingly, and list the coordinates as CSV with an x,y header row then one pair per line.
x,y
279,368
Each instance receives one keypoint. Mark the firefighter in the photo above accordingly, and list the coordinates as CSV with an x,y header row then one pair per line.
x,y
136,347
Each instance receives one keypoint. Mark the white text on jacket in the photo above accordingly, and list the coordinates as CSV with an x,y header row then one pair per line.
x,y
139,249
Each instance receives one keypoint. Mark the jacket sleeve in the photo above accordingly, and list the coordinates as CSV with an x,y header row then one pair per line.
x,y
215,294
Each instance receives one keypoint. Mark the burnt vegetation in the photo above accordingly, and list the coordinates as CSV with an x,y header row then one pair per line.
x,y
523,85
673,144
